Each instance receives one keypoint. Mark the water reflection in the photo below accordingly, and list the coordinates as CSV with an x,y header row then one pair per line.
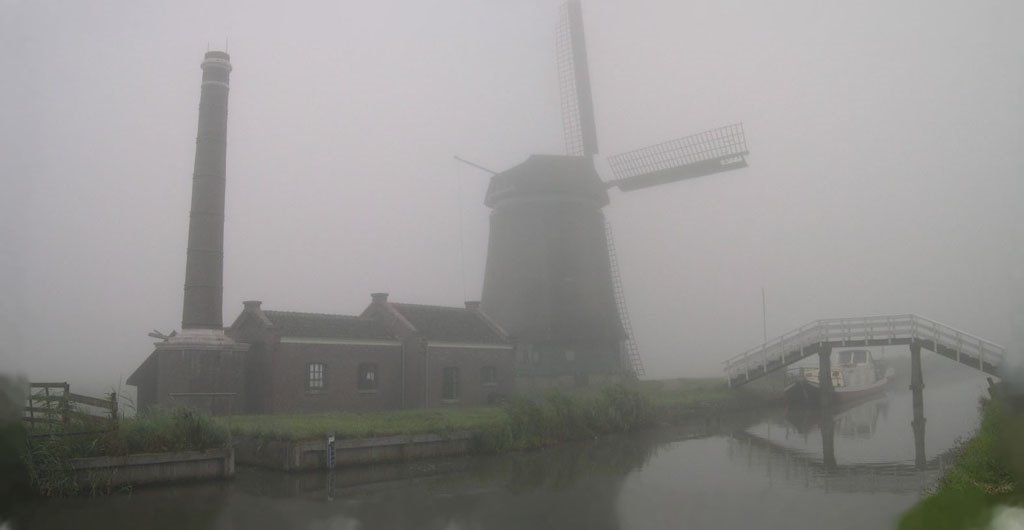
x,y
777,470
778,456
163,508
570,486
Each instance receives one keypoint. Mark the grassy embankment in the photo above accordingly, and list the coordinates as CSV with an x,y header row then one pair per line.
x,y
988,472
556,416
520,424
47,458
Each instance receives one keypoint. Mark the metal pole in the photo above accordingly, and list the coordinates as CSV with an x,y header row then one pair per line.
x,y
478,166
426,373
764,315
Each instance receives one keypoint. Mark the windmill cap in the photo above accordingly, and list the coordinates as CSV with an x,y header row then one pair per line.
x,y
541,175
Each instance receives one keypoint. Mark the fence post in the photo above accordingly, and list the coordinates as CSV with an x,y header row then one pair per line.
x,y
49,409
65,405
113,407
31,407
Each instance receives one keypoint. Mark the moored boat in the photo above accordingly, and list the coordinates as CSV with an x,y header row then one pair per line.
x,y
855,376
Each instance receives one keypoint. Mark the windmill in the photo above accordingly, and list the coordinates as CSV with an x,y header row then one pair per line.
x,y
551,277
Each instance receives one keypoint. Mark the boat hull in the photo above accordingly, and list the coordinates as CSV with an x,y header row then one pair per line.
x,y
875,388
807,392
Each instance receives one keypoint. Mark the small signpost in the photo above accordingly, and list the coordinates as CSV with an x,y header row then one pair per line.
x,y
330,451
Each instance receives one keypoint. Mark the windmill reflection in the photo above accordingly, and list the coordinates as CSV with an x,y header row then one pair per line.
x,y
570,486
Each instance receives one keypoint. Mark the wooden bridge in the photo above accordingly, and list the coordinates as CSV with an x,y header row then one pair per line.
x,y
820,336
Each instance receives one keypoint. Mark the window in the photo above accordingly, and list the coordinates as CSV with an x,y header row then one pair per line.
x,y
367,377
450,384
532,354
488,375
315,376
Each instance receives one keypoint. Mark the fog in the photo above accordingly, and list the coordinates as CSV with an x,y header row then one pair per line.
x,y
884,162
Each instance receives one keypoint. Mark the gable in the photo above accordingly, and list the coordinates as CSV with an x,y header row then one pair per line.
x,y
449,324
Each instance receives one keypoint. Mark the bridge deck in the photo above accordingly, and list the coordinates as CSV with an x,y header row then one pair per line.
x,y
882,330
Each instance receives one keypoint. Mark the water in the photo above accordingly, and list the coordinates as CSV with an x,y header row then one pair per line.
x,y
769,472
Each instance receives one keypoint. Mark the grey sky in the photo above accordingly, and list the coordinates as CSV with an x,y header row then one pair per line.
x,y
885,161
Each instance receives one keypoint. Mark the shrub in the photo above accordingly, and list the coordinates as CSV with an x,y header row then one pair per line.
x,y
48,458
533,424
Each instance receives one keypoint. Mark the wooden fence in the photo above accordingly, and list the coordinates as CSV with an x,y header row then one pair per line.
x,y
53,408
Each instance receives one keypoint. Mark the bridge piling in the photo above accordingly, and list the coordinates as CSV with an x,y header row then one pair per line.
x,y
825,376
828,439
917,388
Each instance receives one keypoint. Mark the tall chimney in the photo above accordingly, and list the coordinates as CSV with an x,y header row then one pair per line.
x,y
204,267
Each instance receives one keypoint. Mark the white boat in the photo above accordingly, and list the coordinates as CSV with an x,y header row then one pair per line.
x,y
854,376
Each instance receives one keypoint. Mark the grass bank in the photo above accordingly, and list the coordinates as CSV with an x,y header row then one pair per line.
x,y
47,457
988,472
557,415
520,423
362,425
554,417
675,396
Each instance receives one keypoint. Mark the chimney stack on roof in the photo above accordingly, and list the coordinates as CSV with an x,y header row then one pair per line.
x,y
379,297
252,304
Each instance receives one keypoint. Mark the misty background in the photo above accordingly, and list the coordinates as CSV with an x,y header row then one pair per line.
x,y
884,174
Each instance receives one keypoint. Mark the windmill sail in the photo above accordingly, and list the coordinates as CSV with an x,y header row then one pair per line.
x,y
630,350
698,155
574,83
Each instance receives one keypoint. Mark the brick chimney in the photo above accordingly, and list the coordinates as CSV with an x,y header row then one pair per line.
x,y
252,305
379,298
204,264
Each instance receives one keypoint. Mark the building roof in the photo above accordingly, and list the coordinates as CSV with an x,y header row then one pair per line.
x,y
319,325
449,324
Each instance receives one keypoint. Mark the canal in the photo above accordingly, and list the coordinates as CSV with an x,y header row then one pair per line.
x,y
771,471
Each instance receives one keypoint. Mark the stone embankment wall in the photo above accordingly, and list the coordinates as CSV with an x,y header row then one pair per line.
x,y
291,455
114,471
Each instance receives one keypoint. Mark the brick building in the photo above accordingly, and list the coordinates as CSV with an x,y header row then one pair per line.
x,y
392,356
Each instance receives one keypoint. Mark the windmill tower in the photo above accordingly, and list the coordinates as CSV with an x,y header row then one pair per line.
x,y
551,277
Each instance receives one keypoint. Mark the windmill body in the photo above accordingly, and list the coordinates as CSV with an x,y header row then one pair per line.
x,y
548,280
552,278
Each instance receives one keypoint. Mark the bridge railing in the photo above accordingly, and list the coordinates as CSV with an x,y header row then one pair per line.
x,y
788,348
981,350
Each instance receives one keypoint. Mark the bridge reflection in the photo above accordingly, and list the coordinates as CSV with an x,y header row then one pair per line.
x,y
800,466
